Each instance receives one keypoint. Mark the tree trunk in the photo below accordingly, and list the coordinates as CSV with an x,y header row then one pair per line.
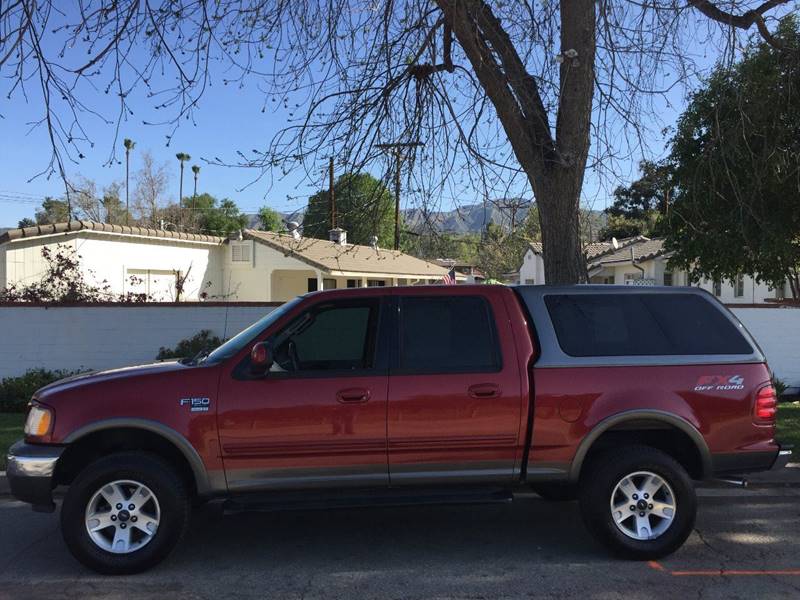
x,y
554,161
558,199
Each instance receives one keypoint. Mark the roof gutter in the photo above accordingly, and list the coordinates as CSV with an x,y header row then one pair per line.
x,y
633,263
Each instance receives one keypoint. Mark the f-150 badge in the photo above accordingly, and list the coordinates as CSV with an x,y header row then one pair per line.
x,y
196,404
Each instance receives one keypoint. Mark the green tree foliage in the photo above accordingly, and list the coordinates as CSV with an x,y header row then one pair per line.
x,y
269,219
205,214
52,211
16,392
639,207
736,162
501,251
202,342
462,247
26,222
223,219
364,207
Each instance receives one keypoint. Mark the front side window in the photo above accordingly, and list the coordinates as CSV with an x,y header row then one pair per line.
x,y
642,325
447,334
334,336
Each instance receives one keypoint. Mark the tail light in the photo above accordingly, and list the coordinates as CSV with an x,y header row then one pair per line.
x,y
766,406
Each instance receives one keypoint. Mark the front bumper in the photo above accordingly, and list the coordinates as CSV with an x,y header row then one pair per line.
x,y
30,473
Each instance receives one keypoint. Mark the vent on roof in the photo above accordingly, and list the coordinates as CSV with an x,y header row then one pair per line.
x,y
338,236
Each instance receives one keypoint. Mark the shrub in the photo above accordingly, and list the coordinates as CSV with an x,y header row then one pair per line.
x,y
16,392
204,341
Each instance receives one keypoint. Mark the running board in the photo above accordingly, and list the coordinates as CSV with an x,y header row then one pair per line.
x,y
282,501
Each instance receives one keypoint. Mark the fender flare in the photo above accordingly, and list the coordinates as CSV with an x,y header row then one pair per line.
x,y
176,439
637,415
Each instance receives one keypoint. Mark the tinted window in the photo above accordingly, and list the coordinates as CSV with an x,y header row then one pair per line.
x,y
333,336
440,335
642,325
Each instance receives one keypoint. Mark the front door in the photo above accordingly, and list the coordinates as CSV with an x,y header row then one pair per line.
x,y
318,417
455,399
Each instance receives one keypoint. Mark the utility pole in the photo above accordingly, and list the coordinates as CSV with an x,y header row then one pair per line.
x,y
333,194
396,149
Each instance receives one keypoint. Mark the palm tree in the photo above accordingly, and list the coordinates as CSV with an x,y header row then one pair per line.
x,y
196,171
129,145
182,158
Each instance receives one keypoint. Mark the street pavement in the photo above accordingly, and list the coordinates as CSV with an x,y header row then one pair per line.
x,y
746,545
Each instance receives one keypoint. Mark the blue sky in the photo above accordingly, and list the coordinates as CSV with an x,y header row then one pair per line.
x,y
229,118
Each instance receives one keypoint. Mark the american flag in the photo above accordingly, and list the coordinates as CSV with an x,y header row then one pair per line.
x,y
450,278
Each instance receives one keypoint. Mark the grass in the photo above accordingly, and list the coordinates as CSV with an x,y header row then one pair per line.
x,y
788,428
11,425
789,424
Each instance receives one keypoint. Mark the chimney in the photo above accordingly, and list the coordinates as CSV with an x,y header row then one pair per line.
x,y
338,236
294,229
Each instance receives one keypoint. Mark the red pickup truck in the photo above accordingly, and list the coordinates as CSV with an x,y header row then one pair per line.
x,y
620,397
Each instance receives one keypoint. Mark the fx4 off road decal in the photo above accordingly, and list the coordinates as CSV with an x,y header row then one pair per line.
x,y
719,383
196,404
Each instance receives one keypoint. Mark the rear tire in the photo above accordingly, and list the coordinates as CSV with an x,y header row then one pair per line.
x,y
638,501
124,513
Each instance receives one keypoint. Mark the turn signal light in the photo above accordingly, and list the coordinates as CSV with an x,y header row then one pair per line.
x,y
39,421
766,406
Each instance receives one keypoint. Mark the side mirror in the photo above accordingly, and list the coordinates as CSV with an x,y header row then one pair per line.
x,y
260,359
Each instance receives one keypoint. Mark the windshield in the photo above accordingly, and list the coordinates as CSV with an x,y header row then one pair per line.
x,y
243,338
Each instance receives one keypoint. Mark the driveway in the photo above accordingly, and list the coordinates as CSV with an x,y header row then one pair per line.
x,y
747,545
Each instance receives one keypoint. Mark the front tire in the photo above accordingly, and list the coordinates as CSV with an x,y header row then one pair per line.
x,y
638,501
124,513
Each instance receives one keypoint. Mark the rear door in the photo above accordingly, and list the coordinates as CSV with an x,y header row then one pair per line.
x,y
454,389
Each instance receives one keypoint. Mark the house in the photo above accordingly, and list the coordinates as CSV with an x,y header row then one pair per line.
x,y
251,266
470,271
643,261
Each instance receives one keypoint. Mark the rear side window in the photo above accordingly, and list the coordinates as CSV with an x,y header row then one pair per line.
x,y
642,325
446,335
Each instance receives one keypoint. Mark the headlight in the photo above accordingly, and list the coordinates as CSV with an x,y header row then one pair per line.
x,y
39,422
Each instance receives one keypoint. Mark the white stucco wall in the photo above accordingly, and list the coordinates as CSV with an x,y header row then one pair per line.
x,y
254,281
101,337
112,258
532,270
776,329
754,293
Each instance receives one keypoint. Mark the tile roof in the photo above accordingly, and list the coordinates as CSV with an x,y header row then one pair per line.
x,y
330,256
643,249
592,249
74,226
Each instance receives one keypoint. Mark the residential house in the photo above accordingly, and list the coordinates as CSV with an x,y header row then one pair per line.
x,y
470,271
251,266
644,261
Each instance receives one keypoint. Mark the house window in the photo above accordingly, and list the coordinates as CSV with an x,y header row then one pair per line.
x,y
328,284
668,278
376,283
353,283
240,252
717,288
738,286
530,281
631,277
608,280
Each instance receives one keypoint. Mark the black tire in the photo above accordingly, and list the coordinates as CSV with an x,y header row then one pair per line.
x,y
598,481
148,469
556,492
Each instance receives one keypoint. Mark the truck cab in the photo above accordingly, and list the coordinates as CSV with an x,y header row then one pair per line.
x,y
416,394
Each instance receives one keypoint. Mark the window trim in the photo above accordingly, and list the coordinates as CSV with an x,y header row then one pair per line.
x,y
397,311
551,356
380,353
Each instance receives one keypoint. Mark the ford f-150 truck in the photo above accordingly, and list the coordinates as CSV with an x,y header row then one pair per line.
x,y
620,397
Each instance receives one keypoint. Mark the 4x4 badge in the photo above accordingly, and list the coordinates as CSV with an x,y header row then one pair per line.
x,y
719,383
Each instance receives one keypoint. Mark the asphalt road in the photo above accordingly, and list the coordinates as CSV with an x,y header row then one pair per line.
x,y
747,545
